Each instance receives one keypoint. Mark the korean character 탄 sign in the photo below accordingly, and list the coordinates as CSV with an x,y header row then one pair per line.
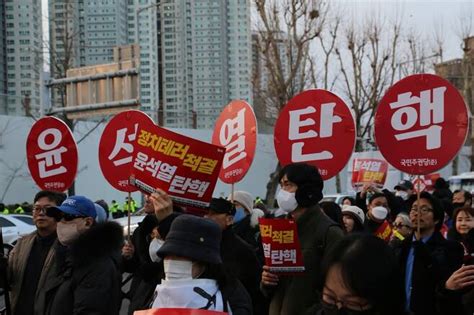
x,y
315,127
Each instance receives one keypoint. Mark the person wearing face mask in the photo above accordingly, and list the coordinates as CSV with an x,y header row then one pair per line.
x,y
32,261
300,191
395,203
88,276
376,221
144,263
194,274
239,258
242,224
361,277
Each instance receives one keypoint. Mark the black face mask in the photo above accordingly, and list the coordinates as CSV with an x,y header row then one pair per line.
x,y
458,205
332,310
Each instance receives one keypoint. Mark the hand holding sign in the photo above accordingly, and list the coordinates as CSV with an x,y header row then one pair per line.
x,y
162,204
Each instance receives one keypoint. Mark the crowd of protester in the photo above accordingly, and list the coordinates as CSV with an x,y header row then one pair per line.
x,y
381,252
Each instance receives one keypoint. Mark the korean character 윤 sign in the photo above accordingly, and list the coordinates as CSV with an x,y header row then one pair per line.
x,y
140,161
122,144
425,111
52,155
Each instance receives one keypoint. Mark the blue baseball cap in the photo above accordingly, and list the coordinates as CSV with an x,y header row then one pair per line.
x,y
78,206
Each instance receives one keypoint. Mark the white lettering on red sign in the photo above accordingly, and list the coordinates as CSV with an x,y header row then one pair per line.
x,y
52,154
326,123
232,137
431,112
121,144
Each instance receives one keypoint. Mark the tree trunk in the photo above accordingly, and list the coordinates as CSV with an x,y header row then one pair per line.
x,y
272,187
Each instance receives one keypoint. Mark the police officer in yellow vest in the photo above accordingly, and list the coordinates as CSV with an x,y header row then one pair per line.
x,y
3,209
115,210
18,209
133,206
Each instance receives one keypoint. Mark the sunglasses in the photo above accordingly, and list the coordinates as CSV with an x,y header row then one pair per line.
x,y
59,215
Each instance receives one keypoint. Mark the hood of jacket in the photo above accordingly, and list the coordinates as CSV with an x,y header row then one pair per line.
x,y
101,240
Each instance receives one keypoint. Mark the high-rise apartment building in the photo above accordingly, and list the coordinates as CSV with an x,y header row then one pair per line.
x,y
84,33
23,55
206,59
3,61
145,33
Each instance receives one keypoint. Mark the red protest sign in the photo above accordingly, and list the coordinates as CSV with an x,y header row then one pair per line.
x,y
177,311
421,123
236,130
366,170
315,127
384,231
116,147
184,167
281,246
52,154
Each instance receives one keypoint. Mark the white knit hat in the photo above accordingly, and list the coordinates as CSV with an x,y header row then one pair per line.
x,y
244,198
356,212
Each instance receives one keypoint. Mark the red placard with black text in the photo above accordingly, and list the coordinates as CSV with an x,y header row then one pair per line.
x,y
281,246
369,171
187,169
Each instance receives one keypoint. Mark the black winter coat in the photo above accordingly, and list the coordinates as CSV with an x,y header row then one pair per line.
x,y
240,261
434,263
89,277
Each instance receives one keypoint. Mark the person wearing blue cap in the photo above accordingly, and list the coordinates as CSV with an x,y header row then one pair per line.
x,y
87,259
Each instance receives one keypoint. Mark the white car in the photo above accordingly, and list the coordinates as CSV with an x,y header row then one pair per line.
x,y
13,227
134,220
338,198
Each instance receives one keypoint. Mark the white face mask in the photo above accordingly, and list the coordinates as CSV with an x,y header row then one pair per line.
x,y
67,233
153,248
178,269
286,201
402,194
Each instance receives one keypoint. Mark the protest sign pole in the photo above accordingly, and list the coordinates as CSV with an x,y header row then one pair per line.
x,y
129,208
418,204
232,192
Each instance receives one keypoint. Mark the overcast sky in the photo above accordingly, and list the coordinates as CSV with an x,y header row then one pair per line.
x,y
422,15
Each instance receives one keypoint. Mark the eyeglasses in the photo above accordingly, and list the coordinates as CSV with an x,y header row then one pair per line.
x,y
59,215
333,303
40,209
423,209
